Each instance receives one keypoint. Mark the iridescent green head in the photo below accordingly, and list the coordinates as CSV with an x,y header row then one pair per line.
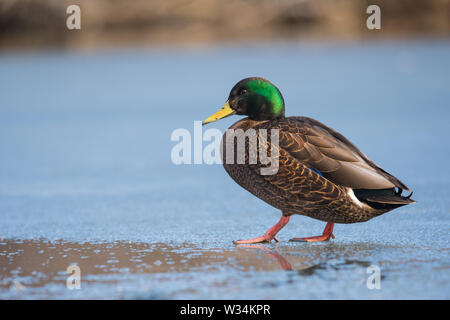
x,y
257,98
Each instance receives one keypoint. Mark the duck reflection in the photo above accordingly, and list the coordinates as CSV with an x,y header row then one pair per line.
x,y
36,263
285,265
309,260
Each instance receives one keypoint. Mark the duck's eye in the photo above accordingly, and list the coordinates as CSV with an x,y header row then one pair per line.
x,y
242,91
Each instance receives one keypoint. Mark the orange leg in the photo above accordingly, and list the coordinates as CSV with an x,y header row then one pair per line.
x,y
269,235
326,235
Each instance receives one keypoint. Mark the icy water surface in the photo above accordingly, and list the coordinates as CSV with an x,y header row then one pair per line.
x,y
86,176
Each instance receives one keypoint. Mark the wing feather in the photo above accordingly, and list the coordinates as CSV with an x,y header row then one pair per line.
x,y
324,149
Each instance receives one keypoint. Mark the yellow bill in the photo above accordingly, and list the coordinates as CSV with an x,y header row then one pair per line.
x,y
224,112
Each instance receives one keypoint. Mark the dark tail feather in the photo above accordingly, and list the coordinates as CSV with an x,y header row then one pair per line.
x,y
383,198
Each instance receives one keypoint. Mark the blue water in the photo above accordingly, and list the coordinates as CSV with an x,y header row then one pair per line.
x,y
85,159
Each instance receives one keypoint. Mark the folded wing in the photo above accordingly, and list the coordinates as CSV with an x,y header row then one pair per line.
x,y
326,150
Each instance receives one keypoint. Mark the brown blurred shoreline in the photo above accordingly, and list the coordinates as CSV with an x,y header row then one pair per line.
x,y
36,24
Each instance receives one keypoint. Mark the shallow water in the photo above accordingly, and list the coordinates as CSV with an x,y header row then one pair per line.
x,y
86,176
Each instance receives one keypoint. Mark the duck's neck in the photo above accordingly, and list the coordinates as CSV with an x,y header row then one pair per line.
x,y
246,123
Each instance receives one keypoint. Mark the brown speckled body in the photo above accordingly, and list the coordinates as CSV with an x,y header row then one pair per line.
x,y
295,188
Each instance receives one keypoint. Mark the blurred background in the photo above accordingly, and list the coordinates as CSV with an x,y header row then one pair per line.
x,y
86,117
112,23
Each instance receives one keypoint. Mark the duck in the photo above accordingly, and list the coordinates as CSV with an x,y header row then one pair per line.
x,y
313,170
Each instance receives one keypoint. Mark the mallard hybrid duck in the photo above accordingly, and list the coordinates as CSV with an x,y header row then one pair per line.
x,y
320,173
